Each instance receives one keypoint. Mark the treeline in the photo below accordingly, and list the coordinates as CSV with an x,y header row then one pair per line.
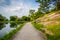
x,y
15,18
45,7
2,18
23,18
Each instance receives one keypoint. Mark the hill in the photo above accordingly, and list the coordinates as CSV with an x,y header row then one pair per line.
x,y
51,18
49,24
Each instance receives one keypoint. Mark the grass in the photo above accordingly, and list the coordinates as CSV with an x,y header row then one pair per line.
x,y
50,37
13,32
38,26
54,12
54,28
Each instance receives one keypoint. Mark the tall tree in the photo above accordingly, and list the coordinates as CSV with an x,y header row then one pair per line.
x,y
2,18
44,5
57,4
32,14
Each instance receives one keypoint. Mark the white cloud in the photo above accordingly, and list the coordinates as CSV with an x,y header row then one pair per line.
x,y
12,9
17,8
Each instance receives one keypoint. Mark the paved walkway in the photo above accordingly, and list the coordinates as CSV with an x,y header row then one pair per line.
x,y
28,32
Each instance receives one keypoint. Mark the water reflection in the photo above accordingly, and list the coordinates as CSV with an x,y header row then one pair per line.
x,y
6,28
2,25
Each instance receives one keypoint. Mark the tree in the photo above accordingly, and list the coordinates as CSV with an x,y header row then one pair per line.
x,y
2,18
25,18
57,4
2,25
38,14
44,5
32,14
19,19
13,18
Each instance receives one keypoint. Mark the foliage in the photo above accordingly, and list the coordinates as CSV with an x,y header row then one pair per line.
x,y
2,18
13,24
57,4
44,5
25,18
50,37
18,19
2,25
13,18
32,14
38,14
22,19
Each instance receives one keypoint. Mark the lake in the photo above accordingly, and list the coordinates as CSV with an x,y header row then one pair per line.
x,y
6,28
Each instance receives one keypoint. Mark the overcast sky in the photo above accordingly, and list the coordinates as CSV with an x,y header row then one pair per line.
x,y
17,7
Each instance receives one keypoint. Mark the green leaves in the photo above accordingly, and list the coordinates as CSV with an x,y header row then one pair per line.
x,y
45,5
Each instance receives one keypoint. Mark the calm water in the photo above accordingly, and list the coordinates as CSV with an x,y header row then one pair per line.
x,y
6,28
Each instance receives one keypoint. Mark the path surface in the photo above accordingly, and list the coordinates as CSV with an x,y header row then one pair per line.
x,y
28,32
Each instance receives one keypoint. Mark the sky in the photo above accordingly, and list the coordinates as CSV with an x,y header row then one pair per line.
x,y
17,7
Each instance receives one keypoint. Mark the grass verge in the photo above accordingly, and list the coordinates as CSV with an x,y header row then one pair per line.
x,y
38,26
54,28
13,32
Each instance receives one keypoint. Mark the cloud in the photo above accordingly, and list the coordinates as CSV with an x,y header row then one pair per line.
x,y
17,7
4,2
12,9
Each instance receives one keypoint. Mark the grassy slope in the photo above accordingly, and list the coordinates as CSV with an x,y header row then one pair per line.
x,y
51,23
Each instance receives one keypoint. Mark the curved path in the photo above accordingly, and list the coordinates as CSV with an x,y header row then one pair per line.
x,y
28,32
